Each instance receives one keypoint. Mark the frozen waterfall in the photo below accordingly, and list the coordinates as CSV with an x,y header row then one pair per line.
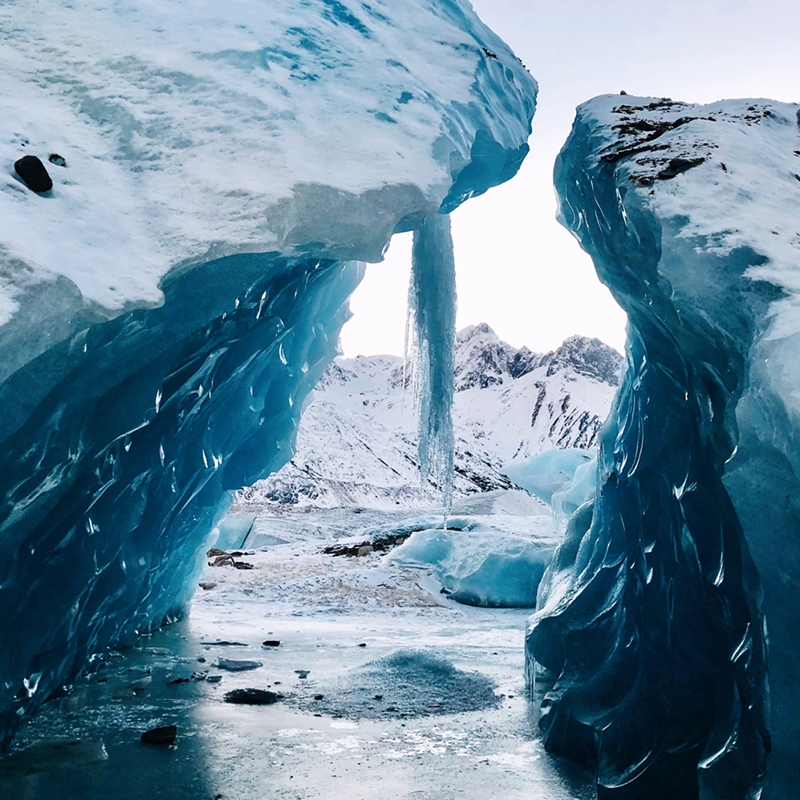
x,y
432,333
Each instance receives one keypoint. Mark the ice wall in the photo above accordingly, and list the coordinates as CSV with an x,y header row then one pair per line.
x,y
166,307
652,622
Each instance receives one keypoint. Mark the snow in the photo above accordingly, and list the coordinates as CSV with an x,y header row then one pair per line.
x,y
653,616
193,131
356,443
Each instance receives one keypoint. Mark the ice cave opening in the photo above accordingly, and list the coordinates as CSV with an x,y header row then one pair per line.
x,y
186,207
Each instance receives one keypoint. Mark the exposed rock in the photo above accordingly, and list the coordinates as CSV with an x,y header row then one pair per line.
x,y
252,697
58,160
271,643
232,665
164,737
34,174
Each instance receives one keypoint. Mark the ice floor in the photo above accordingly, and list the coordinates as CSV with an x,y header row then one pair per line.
x,y
342,620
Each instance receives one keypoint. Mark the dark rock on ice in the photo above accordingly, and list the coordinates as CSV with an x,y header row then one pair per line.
x,y
58,160
232,665
164,736
678,165
34,174
207,585
302,673
252,697
271,643
224,643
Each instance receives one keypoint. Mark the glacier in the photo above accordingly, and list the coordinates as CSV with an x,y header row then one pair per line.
x,y
493,564
562,478
219,171
664,646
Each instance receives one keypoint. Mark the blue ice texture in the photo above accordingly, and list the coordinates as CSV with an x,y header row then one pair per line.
x,y
477,562
124,433
430,349
649,644
563,478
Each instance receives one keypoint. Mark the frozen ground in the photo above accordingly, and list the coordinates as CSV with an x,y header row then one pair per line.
x,y
452,720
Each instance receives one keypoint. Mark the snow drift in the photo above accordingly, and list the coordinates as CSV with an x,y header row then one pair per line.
x,y
168,304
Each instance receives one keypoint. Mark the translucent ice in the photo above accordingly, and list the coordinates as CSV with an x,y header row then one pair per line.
x,y
168,305
565,479
480,563
432,332
652,624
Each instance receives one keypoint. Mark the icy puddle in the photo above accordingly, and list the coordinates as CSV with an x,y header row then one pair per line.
x,y
387,689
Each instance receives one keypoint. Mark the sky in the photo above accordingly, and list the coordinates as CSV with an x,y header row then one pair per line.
x,y
517,268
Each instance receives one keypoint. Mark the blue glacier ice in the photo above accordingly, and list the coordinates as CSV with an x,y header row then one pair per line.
x,y
490,563
564,479
650,641
168,305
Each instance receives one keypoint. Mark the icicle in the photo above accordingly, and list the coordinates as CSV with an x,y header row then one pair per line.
x,y
432,327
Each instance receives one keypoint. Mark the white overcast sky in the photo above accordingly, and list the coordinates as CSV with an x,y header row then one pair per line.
x,y
518,270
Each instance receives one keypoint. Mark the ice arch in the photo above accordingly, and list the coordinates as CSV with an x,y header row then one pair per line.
x,y
165,309
652,619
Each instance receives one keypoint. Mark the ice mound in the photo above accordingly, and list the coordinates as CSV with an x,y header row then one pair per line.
x,y
166,308
480,563
652,619
565,479
408,683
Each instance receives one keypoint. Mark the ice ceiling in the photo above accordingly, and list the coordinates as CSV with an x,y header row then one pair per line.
x,y
167,305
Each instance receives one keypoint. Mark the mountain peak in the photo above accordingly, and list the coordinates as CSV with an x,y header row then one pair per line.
x,y
587,356
473,331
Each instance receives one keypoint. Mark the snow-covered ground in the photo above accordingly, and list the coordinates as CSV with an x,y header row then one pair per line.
x,y
452,719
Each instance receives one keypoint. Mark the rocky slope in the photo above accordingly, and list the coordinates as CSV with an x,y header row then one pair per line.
x,y
357,440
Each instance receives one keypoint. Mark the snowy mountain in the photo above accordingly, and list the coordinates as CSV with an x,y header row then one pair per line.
x,y
357,440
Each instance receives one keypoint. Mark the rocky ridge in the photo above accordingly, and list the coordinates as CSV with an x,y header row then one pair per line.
x,y
356,445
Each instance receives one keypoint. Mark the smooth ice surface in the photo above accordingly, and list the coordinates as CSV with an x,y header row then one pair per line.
x,y
479,562
653,624
168,305
565,479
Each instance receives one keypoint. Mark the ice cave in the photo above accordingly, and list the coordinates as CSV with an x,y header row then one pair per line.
x,y
186,206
